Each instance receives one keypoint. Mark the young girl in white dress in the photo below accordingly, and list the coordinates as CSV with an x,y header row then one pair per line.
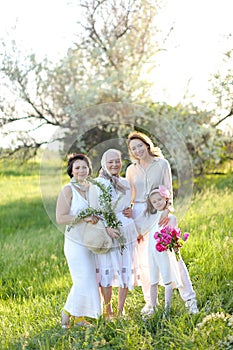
x,y
163,265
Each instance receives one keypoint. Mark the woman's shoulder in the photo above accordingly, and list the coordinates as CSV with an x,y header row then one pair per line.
x,y
66,191
162,161
67,188
131,167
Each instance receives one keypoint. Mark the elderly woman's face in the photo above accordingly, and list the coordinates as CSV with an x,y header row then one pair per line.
x,y
80,170
113,163
138,149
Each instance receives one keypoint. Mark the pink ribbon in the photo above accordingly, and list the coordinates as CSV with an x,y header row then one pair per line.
x,y
164,192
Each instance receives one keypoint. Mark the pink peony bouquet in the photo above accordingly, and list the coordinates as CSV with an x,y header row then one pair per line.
x,y
170,238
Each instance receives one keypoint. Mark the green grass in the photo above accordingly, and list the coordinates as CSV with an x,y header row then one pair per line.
x,y
34,277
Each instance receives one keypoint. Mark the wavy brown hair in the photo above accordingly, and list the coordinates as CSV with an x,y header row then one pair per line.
x,y
152,150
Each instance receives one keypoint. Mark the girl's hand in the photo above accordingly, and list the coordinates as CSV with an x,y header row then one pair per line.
x,y
112,232
164,220
127,212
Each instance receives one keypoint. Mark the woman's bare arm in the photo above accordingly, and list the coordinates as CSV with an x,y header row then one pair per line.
x,y
63,207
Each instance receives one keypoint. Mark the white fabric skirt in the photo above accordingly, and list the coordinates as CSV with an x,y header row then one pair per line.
x,y
84,297
116,269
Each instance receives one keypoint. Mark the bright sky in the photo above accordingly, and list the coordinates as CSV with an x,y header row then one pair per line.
x,y
45,26
194,49
195,46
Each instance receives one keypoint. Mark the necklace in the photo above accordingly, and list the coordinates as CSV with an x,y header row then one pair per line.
x,y
83,187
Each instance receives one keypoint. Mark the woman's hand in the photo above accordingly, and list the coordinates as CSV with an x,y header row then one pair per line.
x,y
112,232
164,220
93,219
128,212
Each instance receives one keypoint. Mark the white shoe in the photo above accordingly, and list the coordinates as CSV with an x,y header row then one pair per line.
x,y
192,305
147,310
65,319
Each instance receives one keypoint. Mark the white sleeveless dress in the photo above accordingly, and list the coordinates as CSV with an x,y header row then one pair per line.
x,y
84,297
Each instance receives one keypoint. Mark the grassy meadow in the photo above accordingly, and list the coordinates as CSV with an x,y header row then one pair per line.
x,y
35,280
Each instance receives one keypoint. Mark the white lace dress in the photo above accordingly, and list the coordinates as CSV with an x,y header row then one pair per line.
x,y
114,268
84,297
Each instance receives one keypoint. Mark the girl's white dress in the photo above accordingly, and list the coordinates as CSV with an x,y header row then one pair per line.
x,y
163,266
114,268
84,297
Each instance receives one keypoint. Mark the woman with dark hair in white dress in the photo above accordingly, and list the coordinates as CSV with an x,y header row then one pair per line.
x,y
84,298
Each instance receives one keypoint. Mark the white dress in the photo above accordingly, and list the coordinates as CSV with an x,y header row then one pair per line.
x,y
163,266
114,268
84,297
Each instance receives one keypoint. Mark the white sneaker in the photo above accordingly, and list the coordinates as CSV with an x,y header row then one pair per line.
x,y
192,305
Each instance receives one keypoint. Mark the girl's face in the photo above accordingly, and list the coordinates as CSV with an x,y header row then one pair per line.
x,y
158,202
138,149
113,163
80,170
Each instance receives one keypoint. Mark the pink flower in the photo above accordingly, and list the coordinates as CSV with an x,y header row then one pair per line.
x,y
167,239
170,238
160,248
164,230
185,236
176,232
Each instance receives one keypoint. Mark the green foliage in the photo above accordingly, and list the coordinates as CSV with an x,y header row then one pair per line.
x,y
105,203
35,279
169,127
205,143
